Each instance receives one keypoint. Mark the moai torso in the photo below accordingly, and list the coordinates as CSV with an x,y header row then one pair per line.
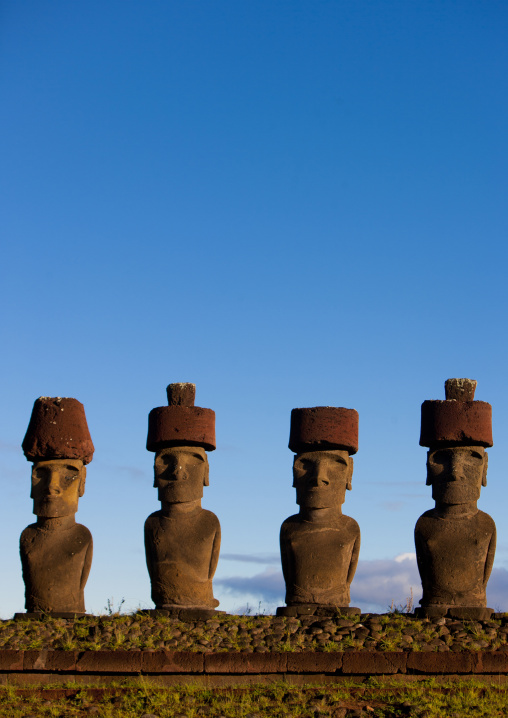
x,y
455,558
56,563
320,546
319,561
182,554
455,542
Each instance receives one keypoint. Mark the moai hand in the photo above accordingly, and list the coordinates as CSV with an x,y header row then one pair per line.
x,y
56,552
182,540
455,542
320,546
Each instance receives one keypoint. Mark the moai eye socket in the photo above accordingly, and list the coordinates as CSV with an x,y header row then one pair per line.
x,y
40,473
302,465
68,476
476,455
441,456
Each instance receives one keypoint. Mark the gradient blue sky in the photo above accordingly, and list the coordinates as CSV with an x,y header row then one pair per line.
x,y
289,203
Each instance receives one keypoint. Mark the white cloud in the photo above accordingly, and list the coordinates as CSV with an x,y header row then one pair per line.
x,y
267,585
251,558
377,585
497,590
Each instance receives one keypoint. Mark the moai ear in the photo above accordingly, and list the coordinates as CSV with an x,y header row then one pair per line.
x,y
349,484
32,482
428,482
82,480
485,465
206,481
294,460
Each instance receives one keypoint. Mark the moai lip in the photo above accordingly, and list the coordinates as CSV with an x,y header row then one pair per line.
x,y
455,542
320,545
182,540
56,552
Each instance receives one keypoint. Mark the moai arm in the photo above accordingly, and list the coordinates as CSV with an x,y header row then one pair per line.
x,y
490,558
420,558
87,565
148,549
24,561
285,555
215,553
354,560
423,554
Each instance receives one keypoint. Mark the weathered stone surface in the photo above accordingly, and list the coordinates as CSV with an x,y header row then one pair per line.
x,y
109,662
455,542
432,662
490,662
181,426
40,616
56,552
245,662
184,614
360,662
470,613
319,545
50,660
458,419
11,660
325,635
181,394
182,551
312,609
182,540
56,557
351,664
460,389
172,662
181,423
313,662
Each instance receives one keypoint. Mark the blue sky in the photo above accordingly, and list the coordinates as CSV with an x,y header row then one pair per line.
x,y
288,203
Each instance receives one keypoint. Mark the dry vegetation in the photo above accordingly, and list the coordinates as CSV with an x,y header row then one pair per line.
x,y
426,699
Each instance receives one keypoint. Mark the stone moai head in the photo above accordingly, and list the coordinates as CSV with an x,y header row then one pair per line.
x,y
457,432
323,438
180,434
58,443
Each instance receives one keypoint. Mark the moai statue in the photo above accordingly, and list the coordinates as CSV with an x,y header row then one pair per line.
x,y
320,546
182,540
56,552
455,542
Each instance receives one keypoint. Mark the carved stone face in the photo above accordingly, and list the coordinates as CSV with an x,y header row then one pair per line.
x,y
321,478
457,473
180,474
57,485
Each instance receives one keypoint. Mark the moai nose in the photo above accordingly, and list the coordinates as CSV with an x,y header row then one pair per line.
x,y
179,473
321,475
53,483
456,467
